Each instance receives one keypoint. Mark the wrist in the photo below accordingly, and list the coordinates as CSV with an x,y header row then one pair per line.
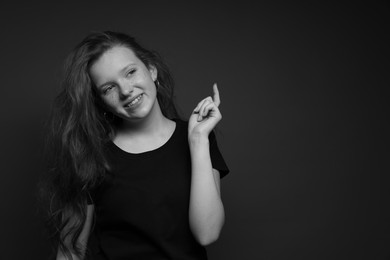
x,y
198,139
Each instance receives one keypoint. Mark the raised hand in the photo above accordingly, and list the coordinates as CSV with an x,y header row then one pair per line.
x,y
205,116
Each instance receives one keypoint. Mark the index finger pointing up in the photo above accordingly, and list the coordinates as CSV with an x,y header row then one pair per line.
x,y
216,97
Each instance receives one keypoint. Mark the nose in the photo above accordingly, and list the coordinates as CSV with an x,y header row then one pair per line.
x,y
125,88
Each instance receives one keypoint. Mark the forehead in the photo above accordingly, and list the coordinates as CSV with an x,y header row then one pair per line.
x,y
112,62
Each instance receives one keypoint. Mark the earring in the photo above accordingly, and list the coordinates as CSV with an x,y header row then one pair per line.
x,y
157,83
109,116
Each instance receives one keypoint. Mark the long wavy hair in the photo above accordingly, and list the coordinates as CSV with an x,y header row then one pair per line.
x,y
78,129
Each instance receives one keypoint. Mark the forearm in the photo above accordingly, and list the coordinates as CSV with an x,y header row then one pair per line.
x,y
73,256
82,239
61,256
206,212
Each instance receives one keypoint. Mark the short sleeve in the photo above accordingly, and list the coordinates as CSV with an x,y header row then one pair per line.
x,y
90,197
217,160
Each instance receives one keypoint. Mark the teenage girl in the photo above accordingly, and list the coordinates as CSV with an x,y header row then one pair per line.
x,y
128,179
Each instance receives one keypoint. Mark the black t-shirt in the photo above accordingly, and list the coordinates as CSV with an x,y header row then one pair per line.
x,y
142,206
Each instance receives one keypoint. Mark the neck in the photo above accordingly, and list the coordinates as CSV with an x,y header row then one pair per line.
x,y
149,125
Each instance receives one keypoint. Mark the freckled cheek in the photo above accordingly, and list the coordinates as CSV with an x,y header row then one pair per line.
x,y
111,101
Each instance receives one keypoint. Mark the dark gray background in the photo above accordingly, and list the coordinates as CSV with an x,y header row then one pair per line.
x,y
305,115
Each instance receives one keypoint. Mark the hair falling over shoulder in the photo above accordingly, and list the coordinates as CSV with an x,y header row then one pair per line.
x,y
78,130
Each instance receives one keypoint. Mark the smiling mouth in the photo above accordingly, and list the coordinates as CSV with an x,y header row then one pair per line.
x,y
134,101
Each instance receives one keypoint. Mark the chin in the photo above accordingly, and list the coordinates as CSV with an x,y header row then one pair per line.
x,y
137,116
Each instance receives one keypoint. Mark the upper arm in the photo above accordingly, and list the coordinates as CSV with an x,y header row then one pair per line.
x,y
217,180
84,235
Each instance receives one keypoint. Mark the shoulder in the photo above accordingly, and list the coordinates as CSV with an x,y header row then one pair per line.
x,y
181,124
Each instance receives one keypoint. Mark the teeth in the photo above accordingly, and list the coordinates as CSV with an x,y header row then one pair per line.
x,y
135,101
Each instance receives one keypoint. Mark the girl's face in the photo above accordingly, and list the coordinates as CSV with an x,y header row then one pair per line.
x,y
125,84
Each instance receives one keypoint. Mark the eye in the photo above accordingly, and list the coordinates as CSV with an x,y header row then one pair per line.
x,y
107,89
131,72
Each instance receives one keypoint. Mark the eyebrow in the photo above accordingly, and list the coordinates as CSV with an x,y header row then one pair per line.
x,y
126,67
121,71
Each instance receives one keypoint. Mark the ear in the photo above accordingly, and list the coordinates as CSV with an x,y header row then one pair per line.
x,y
153,72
